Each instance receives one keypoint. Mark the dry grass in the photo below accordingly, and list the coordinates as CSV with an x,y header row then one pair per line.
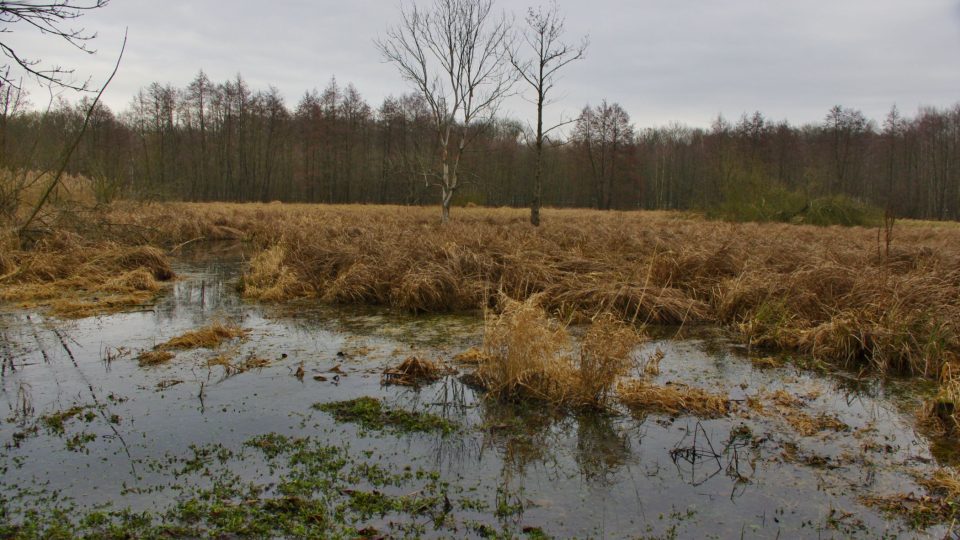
x,y
76,278
208,337
153,358
940,414
644,397
472,356
231,368
939,505
789,408
528,355
944,482
826,291
823,291
808,425
414,371
652,365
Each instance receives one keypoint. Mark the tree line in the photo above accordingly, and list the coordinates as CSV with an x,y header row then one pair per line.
x,y
228,142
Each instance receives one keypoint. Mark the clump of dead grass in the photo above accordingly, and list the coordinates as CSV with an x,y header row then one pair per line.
x,y
944,482
231,368
939,414
789,408
75,278
939,505
270,279
414,371
642,396
527,355
471,356
153,358
651,367
809,425
208,337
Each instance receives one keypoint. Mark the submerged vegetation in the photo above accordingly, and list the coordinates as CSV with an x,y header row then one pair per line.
x,y
371,413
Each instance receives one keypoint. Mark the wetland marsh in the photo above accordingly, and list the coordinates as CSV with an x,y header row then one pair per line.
x,y
97,444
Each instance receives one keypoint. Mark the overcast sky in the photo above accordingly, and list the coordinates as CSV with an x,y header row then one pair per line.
x,y
663,60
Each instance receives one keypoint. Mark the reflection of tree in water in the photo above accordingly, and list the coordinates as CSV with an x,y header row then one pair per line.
x,y
602,449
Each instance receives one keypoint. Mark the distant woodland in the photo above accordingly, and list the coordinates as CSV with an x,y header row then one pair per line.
x,y
229,142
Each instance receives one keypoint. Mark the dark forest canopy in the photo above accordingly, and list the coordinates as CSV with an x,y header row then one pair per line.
x,y
226,141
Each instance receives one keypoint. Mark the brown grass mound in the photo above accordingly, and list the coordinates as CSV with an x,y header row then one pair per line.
x,y
208,337
528,355
153,358
643,397
77,278
414,371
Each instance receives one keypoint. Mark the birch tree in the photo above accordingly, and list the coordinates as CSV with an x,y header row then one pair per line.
x,y
456,54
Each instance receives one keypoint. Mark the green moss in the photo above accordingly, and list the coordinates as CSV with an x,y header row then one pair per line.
x,y
372,414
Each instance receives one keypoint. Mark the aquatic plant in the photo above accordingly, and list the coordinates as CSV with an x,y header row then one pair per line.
x,y
373,414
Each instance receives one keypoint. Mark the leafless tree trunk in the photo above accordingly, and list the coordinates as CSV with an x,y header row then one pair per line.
x,y
543,37
457,56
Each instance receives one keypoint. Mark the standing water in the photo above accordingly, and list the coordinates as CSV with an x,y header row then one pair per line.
x,y
235,445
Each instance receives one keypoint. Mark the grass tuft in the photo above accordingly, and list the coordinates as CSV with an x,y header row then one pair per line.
x,y
154,358
414,371
643,397
527,355
208,337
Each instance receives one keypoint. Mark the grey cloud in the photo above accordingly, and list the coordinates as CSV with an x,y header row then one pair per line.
x,y
663,60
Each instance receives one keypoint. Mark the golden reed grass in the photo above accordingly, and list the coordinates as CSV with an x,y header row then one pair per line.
x,y
831,292
825,291
527,354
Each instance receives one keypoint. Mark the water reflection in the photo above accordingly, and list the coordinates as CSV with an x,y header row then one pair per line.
x,y
584,474
603,448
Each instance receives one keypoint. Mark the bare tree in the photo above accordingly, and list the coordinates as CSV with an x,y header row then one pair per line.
x,y
543,36
457,56
50,18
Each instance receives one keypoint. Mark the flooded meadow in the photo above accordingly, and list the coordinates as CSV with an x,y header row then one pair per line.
x,y
291,429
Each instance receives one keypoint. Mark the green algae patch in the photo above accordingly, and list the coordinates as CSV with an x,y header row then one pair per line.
x,y
372,414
